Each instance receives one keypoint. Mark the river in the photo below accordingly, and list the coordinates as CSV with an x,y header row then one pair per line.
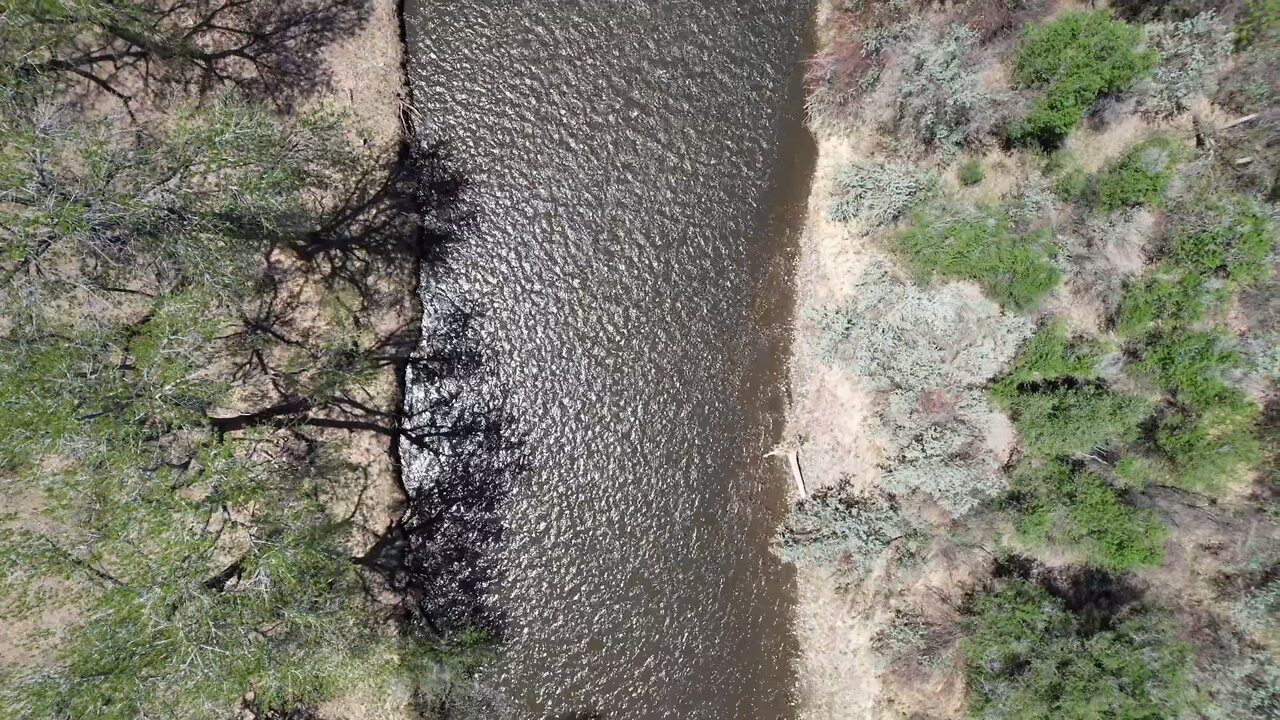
x,y
636,172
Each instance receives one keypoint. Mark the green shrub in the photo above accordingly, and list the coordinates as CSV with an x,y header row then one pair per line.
x,y
1075,420
1139,177
1074,59
1227,239
1259,17
1167,299
1209,449
971,172
1048,355
1028,656
1062,504
1013,267
1190,365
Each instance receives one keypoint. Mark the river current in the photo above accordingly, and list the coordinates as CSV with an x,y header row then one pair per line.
x,y
635,172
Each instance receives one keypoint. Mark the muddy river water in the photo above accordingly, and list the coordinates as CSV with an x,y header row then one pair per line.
x,y
635,173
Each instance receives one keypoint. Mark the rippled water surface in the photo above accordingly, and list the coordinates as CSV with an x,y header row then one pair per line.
x,y
634,173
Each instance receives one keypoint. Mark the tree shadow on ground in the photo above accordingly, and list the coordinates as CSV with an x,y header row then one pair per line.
x,y
439,555
1097,597
459,456
267,48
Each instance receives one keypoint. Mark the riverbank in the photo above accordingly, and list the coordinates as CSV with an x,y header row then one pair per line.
x,y
914,463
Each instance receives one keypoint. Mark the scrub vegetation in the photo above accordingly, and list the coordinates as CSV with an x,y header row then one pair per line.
x,y
1067,346
200,340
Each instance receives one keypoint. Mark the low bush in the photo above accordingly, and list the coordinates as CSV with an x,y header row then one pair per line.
x,y
1012,267
940,100
1167,299
1189,52
930,350
1138,177
915,340
1068,420
1063,504
840,527
1073,60
1028,655
971,172
852,59
1228,239
1048,355
878,194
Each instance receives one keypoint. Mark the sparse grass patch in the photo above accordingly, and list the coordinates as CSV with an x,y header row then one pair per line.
x,y
1138,177
1012,267
1029,656
1070,178
1073,60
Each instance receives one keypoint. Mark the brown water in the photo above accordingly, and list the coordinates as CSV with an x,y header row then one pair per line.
x,y
637,170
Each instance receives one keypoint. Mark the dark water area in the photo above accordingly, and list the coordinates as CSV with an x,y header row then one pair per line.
x,y
636,172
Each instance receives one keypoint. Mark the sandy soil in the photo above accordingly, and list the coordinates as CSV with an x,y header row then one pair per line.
x,y
367,80
366,73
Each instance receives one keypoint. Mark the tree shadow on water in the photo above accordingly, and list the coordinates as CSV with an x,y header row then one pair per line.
x,y
460,455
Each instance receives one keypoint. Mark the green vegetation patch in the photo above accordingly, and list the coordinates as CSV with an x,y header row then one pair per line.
x,y
971,172
1067,420
1207,449
1074,59
1013,267
1225,239
1048,355
1028,655
1190,365
1167,299
1138,177
1061,503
